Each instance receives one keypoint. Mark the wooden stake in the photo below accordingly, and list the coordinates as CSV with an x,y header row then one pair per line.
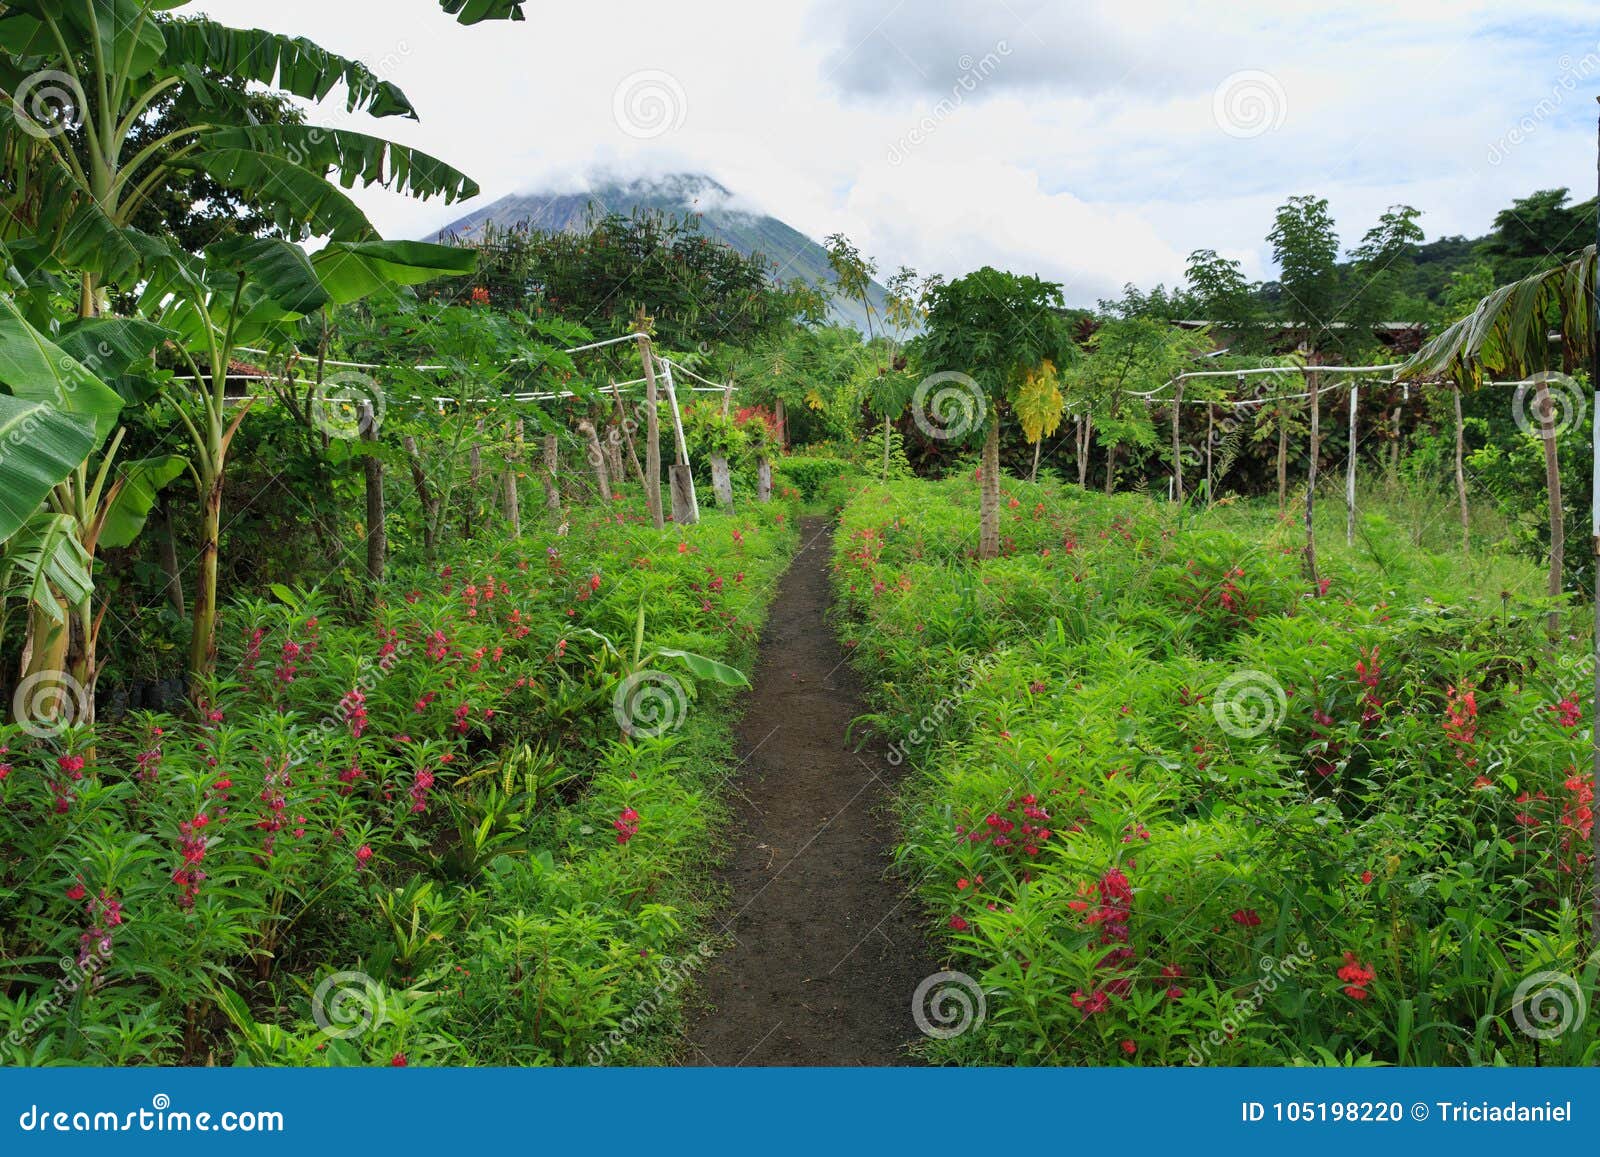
x,y
552,473
597,460
510,497
1177,444
652,433
1350,474
681,475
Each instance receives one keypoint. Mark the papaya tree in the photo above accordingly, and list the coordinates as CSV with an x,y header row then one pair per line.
x,y
986,332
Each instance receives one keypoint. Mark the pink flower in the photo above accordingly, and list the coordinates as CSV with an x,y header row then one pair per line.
x,y
363,854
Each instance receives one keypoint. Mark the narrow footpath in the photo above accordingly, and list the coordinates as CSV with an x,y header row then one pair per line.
x,y
828,952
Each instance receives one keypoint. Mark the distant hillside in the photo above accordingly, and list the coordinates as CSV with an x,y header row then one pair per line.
x,y
794,256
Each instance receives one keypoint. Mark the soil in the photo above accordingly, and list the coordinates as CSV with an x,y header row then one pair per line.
x,y
827,948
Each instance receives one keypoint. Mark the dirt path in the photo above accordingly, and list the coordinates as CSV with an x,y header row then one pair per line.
x,y
828,950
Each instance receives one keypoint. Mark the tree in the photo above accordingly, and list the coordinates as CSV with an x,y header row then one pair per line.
x,y
1306,247
989,330
1225,298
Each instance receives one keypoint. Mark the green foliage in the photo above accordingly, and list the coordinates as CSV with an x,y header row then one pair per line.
x,y
1169,808
427,809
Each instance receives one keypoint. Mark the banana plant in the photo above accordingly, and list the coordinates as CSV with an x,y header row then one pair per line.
x,y
79,78
255,290
63,409
638,665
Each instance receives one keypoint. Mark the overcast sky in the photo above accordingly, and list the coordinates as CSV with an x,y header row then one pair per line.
x,y
1093,143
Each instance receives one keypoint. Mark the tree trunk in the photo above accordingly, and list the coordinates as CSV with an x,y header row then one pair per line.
x,y
1177,444
1394,450
613,448
552,473
1211,429
425,495
377,538
721,482
168,547
1461,472
1311,478
1085,437
626,425
597,460
203,641
886,447
763,479
1033,475
1552,483
782,416
652,432
989,493
1111,467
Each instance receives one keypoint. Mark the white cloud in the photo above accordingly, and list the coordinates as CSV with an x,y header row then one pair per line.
x,y
1090,153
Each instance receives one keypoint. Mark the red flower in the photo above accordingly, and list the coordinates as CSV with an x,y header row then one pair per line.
x,y
1129,1047
958,923
1249,917
1356,976
399,1061
76,892
1366,877
363,854
627,825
